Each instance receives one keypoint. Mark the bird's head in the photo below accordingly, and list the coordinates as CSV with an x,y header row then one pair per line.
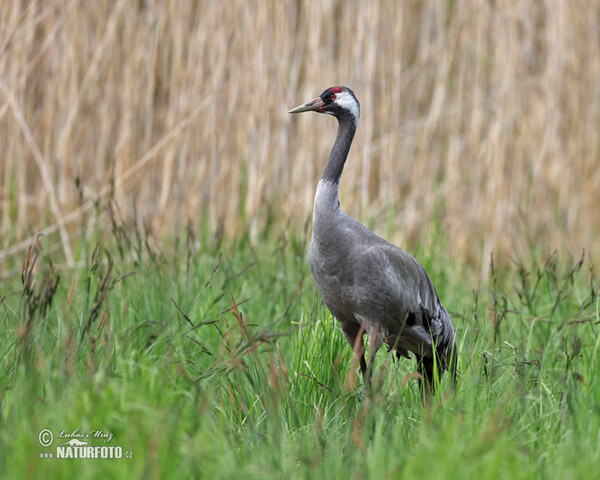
x,y
337,101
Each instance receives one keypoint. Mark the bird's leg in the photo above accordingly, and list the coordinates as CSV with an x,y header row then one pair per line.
x,y
354,336
375,343
425,369
453,362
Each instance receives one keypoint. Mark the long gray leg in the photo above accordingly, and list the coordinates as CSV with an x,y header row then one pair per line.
x,y
425,369
354,336
375,343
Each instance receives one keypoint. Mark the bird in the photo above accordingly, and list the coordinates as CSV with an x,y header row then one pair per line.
x,y
370,285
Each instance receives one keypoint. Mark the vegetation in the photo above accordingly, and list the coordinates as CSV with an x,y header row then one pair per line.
x,y
480,115
155,204
219,359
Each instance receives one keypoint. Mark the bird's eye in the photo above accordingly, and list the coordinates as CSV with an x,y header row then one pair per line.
x,y
332,96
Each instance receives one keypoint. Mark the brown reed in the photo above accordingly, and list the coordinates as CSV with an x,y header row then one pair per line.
x,y
478,116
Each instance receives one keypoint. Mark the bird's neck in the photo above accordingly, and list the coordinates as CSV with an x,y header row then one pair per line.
x,y
326,236
326,199
340,149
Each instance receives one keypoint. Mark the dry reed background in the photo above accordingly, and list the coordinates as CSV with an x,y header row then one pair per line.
x,y
478,116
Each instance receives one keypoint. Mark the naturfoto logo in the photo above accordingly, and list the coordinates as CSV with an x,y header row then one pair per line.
x,y
77,445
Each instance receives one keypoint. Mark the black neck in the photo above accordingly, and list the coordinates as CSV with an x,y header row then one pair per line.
x,y
340,149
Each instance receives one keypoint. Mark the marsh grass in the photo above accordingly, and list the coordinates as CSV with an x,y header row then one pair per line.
x,y
155,204
229,365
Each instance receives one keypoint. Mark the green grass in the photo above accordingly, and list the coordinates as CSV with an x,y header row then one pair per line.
x,y
217,359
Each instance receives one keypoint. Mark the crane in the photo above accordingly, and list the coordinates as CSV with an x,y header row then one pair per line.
x,y
368,284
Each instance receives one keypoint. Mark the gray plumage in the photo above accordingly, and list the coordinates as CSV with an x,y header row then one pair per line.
x,y
370,285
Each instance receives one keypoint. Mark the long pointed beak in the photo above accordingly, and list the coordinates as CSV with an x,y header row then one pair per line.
x,y
315,105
